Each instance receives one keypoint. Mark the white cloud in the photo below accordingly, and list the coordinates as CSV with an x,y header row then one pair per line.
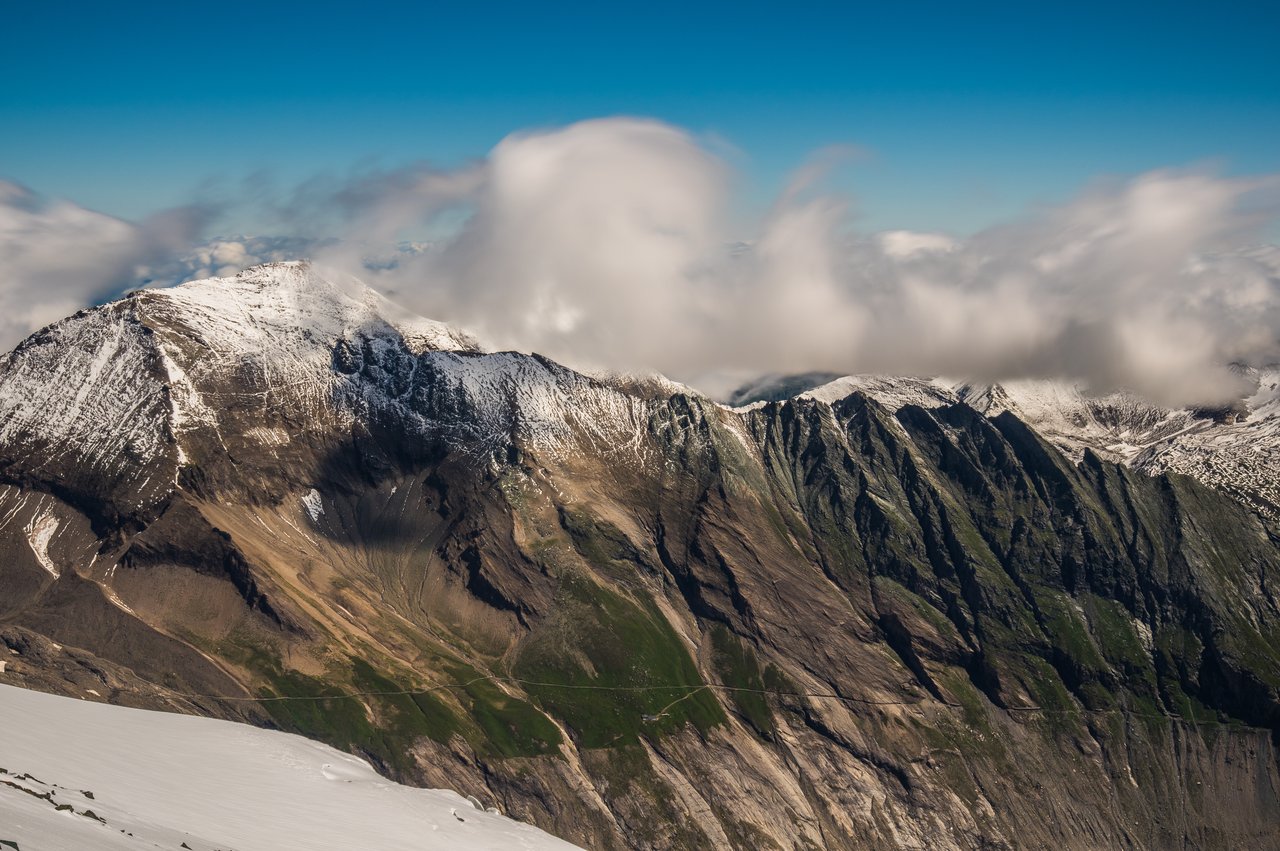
x,y
606,244
56,257
225,256
586,242
905,244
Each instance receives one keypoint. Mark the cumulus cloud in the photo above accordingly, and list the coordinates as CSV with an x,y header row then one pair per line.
x,y
56,257
225,256
588,243
615,244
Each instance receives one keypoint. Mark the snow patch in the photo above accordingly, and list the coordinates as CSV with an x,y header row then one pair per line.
x,y
314,505
40,532
116,601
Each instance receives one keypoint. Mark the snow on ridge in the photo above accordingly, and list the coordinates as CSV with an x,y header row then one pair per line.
x,y
893,392
1237,452
134,378
129,380
304,303
646,384
1116,425
86,390
276,328
481,402
135,779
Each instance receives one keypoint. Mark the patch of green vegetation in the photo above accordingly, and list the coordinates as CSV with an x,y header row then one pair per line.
x,y
971,733
624,769
920,606
1152,716
1180,652
597,540
1242,642
1096,696
545,551
1188,706
1069,634
510,726
967,695
739,669
1059,712
1116,635
625,776
382,726
406,717
316,709
974,545
614,670
515,488
602,545
775,680
791,531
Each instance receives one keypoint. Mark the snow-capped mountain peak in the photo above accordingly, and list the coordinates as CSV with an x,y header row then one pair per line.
x,y
276,305
283,358
113,391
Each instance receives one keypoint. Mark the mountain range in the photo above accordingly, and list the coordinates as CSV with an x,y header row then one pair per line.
x,y
881,613
1233,448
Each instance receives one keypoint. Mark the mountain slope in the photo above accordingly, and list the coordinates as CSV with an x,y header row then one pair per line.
x,y
627,614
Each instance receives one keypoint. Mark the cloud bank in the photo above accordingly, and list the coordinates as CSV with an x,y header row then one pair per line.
x,y
606,243
614,244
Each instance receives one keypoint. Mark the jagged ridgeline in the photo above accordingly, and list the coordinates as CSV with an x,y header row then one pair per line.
x,y
618,610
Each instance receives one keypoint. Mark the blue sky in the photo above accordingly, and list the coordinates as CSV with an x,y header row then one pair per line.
x,y
968,113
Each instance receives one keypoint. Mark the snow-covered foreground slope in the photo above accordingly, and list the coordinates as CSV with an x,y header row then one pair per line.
x,y
76,775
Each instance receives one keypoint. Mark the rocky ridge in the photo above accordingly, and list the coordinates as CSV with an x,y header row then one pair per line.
x,y
1234,449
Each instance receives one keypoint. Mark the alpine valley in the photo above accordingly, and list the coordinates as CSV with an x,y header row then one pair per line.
x,y
882,613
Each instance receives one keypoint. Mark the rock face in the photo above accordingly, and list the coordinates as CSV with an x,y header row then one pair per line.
x,y
636,619
1234,449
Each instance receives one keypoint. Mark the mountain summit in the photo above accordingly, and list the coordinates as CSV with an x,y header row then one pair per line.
x,y
618,610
